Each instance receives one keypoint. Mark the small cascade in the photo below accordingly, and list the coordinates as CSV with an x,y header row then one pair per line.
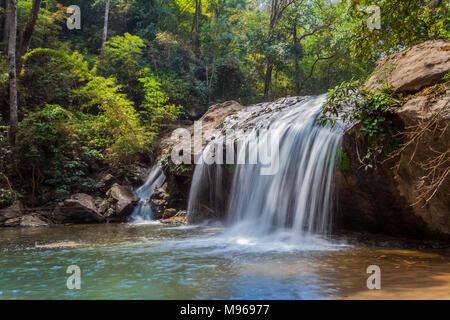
x,y
296,199
155,180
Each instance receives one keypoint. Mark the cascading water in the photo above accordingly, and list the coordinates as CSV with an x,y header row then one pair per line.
x,y
296,199
155,180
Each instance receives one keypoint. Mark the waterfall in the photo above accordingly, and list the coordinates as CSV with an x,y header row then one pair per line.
x,y
154,181
297,197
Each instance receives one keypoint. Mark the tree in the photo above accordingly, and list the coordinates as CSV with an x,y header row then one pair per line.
x,y
403,24
27,33
196,25
105,29
276,12
13,118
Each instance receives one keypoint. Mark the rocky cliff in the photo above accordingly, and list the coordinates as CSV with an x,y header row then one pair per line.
x,y
409,193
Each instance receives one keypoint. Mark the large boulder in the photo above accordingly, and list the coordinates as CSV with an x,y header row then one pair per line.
x,y
106,181
79,208
13,212
413,69
211,121
169,213
385,200
122,200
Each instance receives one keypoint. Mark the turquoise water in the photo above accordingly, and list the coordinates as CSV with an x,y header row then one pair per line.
x,y
155,261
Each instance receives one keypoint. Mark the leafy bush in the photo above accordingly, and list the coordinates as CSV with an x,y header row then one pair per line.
x,y
371,110
155,107
53,155
50,76
117,127
7,195
121,61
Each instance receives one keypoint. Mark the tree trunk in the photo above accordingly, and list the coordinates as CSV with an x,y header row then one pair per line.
x,y
274,15
13,119
28,33
268,80
296,60
276,11
105,30
196,26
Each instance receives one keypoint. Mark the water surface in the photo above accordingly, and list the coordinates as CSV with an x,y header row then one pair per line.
x,y
155,261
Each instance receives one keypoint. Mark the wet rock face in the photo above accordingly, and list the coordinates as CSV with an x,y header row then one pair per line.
x,y
385,200
413,69
122,201
369,202
158,202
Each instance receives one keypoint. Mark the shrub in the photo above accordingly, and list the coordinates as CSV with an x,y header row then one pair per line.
x,y
117,127
155,107
371,110
53,155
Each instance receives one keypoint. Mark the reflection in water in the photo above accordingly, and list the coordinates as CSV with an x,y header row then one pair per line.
x,y
155,261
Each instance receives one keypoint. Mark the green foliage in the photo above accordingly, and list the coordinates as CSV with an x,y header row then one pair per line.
x,y
372,111
53,154
7,198
403,23
446,77
155,107
50,76
80,110
231,168
175,169
122,62
7,195
118,129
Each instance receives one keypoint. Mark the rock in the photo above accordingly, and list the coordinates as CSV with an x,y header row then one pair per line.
x,y
413,69
106,181
102,205
181,213
160,194
169,213
14,211
158,201
211,121
158,206
175,220
79,208
122,199
32,221
14,222
384,200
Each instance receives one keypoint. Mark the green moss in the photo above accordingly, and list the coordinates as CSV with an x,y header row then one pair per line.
x,y
446,77
342,160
